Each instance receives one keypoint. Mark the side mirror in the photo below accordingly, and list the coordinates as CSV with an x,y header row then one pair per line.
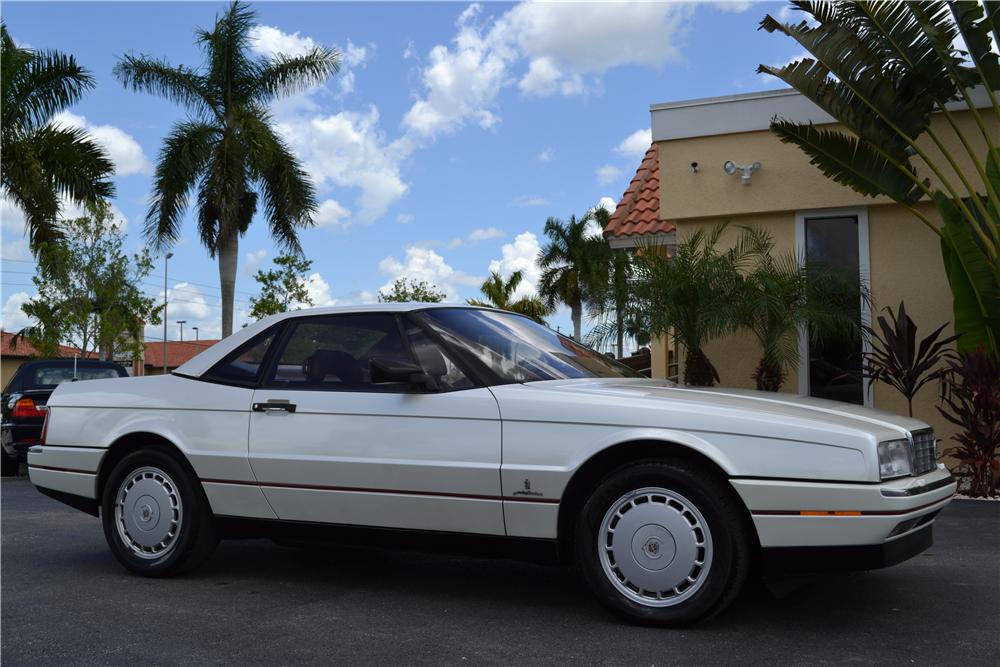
x,y
395,370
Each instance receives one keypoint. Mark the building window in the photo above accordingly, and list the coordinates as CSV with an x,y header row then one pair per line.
x,y
831,368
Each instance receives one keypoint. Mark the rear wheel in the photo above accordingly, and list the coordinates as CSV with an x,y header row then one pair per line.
x,y
156,519
663,543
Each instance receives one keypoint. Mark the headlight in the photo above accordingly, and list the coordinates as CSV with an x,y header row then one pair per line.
x,y
894,459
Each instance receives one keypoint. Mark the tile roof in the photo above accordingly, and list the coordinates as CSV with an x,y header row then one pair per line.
x,y
638,212
23,349
178,352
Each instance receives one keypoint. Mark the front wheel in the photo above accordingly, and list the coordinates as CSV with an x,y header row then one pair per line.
x,y
156,520
663,543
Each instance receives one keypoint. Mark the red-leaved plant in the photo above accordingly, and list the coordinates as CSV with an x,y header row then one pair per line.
x,y
972,398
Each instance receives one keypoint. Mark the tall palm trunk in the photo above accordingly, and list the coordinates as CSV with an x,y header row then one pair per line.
x,y
576,312
228,250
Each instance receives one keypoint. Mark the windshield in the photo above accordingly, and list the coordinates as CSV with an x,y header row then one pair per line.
x,y
52,376
518,349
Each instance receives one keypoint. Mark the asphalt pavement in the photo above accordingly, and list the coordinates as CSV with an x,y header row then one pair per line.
x,y
65,600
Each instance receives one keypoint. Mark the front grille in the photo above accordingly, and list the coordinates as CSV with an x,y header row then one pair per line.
x,y
924,452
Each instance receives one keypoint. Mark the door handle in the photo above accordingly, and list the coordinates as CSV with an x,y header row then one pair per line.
x,y
273,407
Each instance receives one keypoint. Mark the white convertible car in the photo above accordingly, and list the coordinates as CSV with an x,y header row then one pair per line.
x,y
466,427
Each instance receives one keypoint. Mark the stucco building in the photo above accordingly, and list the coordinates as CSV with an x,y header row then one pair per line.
x,y
681,186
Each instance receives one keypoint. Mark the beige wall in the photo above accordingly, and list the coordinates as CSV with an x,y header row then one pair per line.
x,y
905,256
9,366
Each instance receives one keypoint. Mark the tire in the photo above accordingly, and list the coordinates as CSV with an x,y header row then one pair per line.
x,y
664,543
9,465
156,518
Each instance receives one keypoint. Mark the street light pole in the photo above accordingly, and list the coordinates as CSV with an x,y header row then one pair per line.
x,y
195,332
182,323
166,259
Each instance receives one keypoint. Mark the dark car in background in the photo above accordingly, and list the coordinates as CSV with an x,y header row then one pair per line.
x,y
25,396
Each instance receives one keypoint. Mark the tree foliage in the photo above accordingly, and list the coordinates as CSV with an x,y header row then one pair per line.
x,y
406,291
500,293
883,70
228,150
574,263
779,294
42,163
283,288
691,295
90,297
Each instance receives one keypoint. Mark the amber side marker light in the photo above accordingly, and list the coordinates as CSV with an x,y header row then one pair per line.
x,y
823,513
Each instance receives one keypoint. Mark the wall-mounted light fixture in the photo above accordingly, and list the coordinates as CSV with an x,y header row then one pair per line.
x,y
745,171
694,167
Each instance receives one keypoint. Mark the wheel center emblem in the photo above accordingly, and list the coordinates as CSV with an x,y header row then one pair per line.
x,y
653,548
146,512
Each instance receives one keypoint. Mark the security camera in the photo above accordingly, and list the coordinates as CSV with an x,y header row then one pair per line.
x,y
694,167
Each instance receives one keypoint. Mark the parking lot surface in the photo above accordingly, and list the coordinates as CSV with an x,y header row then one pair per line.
x,y
65,600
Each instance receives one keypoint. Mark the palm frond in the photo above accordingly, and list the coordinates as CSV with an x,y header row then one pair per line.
x,y
176,83
186,152
77,167
286,75
850,161
48,82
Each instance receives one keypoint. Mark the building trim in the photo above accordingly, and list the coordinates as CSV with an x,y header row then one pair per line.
x,y
750,112
642,240
864,271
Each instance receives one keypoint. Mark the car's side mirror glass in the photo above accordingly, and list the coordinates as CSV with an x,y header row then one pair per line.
x,y
396,370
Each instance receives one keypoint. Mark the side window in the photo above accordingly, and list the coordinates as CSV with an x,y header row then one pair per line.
x,y
434,362
333,353
242,366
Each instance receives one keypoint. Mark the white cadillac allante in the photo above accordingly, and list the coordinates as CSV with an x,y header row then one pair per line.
x,y
416,424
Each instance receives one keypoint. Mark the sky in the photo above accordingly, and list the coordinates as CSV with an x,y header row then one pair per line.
x,y
449,136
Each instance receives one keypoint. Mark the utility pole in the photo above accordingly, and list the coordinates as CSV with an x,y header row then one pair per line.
x,y
166,259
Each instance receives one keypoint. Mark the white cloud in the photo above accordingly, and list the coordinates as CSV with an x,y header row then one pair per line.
x,y
485,234
608,174
521,255
185,301
332,214
355,55
548,155
732,6
347,149
252,261
635,145
124,151
318,290
423,264
566,47
270,41
404,218
530,200
545,78
14,318
607,203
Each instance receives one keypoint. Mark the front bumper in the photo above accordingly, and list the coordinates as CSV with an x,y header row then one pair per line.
x,y
809,560
800,513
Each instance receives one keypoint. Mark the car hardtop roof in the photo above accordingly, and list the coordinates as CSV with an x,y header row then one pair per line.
x,y
203,361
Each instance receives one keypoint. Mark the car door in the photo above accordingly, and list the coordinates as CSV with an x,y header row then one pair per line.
x,y
329,445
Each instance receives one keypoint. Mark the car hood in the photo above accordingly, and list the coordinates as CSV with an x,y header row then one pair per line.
x,y
662,403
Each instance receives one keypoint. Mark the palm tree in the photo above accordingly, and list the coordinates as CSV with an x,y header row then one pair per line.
x,y
882,70
41,162
573,263
780,294
228,148
612,299
499,294
692,295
